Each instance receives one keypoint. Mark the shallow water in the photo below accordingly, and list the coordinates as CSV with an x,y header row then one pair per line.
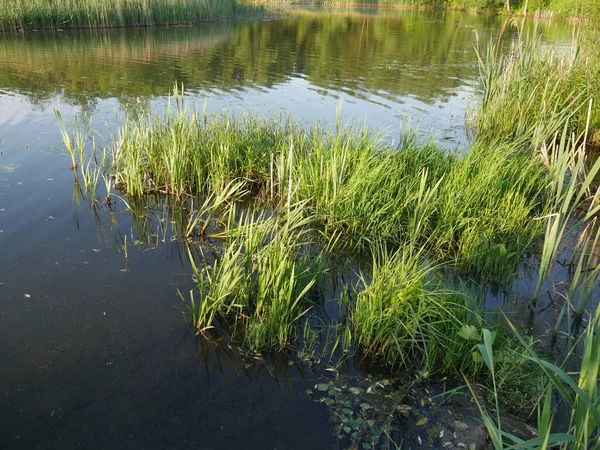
x,y
93,348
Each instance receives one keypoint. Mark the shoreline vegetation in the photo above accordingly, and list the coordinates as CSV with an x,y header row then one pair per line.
x,y
586,10
273,208
22,15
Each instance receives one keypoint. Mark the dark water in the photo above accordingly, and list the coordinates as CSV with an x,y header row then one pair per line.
x,y
93,345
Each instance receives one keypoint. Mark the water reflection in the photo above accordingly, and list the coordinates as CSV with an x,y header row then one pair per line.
x,y
423,55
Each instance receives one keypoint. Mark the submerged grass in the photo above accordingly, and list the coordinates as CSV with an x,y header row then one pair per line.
x,y
59,14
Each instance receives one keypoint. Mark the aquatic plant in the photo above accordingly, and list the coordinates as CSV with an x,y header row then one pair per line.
x,y
474,213
551,8
405,315
578,391
261,281
529,92
570,192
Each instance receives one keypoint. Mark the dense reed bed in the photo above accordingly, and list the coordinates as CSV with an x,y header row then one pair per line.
x,y
59,14
549,100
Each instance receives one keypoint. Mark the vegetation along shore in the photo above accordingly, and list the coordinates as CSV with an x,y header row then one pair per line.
x,y
586,9
21,15
62,14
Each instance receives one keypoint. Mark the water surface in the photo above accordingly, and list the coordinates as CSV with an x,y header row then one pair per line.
x,y
93,347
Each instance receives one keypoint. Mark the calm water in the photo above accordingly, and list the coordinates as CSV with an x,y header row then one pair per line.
x,y
96,356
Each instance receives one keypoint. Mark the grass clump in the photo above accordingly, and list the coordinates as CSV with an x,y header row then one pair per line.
x,y
59,14
405,315
261,283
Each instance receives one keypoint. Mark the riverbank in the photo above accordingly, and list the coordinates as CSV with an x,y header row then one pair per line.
x,y
20,15
568,9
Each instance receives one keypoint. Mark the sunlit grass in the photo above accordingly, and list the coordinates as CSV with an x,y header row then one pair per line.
x,y
529,92
474,213
261,282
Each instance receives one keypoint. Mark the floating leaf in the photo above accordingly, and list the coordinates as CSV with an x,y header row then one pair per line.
x,y
322,387
356,390
309,391
422,421
347,429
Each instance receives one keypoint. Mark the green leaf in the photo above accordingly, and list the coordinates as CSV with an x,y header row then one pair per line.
x,y
422,421
470,333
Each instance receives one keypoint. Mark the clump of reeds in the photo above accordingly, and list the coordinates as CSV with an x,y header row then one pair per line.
x,y
579,391
405,315
262,281
58,14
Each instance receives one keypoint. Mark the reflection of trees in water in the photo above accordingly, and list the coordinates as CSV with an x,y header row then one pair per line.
x,y
426,55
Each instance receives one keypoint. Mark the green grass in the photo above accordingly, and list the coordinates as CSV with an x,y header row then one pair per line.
x,y
59,14
473,213
579,391
529,92
406,316
262,280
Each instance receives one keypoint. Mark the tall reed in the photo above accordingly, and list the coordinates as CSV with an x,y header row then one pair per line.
x,y
579,391
529,91
58,14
